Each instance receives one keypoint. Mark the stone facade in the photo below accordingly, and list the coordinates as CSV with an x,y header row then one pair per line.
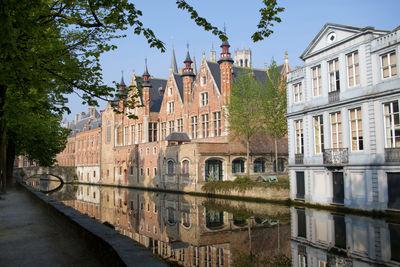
x,y
343,124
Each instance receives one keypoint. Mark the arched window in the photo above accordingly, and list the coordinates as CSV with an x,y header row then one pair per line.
x,y
259,165
186,219
185,167
171,167
281,165
238,166
246,63
213,170
170,215
241,63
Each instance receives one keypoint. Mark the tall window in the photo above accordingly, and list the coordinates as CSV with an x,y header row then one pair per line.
x,y
356,129
388,65
297,92
171,126
316,80
108,135
132,134
193,127
152,131
299,137
163,130
126,136
118,135
334,80
217,123
185,167
171,167
170,107
180,125
203,81
392,124
353,72
139,129
203,99
319,134
336,131
205,125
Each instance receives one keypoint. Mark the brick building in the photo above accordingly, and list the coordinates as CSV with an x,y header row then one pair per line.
x,y
180,139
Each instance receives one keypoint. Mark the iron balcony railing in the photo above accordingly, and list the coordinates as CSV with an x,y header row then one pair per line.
x,y
336,156
392,154
333,96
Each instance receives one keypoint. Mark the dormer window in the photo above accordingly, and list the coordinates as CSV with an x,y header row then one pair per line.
x,y
203,81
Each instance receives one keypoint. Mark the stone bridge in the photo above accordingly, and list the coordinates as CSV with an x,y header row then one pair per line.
x,y
67,174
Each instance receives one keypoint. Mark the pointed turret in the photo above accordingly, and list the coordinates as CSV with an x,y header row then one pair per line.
x,y
225,54
188,65
146,76
173,67
122,83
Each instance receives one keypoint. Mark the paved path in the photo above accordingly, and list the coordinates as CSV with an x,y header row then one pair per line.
x,y
30,236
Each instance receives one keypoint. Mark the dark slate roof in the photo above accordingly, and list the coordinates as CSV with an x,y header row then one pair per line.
x,y
179,83
178,136
155,96
216,72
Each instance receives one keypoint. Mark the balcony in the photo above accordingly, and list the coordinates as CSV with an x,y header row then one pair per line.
x,y
392,154
298,158
333,96
337,156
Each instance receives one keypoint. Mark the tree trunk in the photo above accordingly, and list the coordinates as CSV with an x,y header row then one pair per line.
x,y
10,161
3,139
276,154
248,157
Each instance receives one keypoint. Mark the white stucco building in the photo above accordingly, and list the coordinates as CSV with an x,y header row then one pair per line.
x,y
343,119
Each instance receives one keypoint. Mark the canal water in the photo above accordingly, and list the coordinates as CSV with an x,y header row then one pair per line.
x,y
199,231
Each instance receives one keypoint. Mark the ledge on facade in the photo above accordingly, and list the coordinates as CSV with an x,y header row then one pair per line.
x,y
392,154
336,156
333,96
298,158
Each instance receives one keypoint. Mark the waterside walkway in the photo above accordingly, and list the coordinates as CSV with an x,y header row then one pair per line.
x,y
33,233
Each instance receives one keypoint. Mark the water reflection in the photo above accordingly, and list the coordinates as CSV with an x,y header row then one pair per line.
x,y
44,183
190,231
197,231
322,239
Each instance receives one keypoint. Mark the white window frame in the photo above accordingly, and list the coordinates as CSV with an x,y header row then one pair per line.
x,y
393,125
297,92
353,67
316,70
390,64
357,121
194,126
335,74
203,81
203,99
320,120
299,136
338,130
170,107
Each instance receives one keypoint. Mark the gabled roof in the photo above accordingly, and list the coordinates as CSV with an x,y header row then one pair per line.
x,y
215,72
319,43
155,96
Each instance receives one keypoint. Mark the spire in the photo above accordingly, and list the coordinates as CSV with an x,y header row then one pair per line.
x,y
188,64
122,83
146,75
173,66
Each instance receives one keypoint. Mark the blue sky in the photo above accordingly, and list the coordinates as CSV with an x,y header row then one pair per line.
x,y
301,21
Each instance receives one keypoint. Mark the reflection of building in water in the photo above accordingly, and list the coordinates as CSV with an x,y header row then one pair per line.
x,y
87,201
180,229
324,239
